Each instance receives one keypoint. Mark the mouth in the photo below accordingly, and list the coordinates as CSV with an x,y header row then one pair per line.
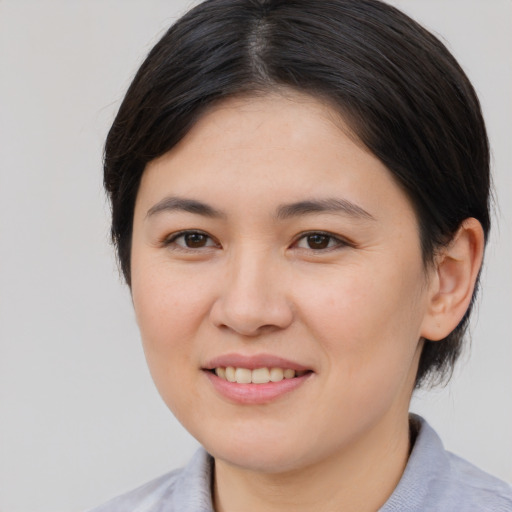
x,y
262,375
257,379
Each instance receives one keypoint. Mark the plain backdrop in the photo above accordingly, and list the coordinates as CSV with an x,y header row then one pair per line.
x,y
80,420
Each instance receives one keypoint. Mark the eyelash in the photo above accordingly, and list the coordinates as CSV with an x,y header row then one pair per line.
x,y
338,242
323,235
172,240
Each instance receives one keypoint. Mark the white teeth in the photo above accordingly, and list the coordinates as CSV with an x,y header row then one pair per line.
x,y
260,376
230,374
256,376
243,376
276,374
289,374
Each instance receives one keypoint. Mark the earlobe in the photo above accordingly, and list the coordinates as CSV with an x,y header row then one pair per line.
x,y
453,281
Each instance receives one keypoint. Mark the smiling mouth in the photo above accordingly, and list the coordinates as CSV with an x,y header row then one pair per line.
x,y
258,375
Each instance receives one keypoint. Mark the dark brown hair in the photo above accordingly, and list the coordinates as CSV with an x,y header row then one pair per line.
x,y
396,85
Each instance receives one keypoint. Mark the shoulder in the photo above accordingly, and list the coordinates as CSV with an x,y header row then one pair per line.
x,y
437,480
181,490
480,490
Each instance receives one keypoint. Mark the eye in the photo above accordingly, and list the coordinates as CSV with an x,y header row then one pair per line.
x,y
190,240
318,241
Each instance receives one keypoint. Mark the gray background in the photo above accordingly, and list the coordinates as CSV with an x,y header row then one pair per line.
x,y
79,417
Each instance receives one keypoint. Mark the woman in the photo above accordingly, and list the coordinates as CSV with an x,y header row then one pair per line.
x,y
300,204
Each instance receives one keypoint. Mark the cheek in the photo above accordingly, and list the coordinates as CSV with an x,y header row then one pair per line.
x,y
167,301
169,308
368,333
365,315
169,313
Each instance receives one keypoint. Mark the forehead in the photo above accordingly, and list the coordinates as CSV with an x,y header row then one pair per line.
x,y
292,113
277,147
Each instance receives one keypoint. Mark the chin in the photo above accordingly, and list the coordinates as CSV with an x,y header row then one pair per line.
x,y
260,453
259,460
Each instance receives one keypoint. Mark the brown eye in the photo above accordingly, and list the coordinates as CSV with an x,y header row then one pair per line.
x,y
195,240
190,240
318,241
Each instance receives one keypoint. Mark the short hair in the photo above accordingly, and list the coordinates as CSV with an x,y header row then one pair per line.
x,y
398,88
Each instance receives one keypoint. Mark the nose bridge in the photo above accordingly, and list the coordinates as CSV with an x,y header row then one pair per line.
x,y
253,296
252,277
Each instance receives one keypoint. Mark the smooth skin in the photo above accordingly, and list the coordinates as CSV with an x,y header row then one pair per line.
x,y
227,259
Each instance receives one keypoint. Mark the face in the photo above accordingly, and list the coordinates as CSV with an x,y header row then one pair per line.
x,y
270,243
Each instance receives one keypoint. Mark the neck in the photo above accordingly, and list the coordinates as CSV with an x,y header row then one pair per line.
x,y
360,478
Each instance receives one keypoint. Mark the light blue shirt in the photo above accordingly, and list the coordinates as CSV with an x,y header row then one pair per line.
x,y
434,480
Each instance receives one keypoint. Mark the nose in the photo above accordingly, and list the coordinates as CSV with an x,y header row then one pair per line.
x,y
252,298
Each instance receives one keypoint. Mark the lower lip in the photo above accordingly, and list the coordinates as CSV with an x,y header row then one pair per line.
x,y
255,393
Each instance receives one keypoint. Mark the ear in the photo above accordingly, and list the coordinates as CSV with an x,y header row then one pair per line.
x,y
452,281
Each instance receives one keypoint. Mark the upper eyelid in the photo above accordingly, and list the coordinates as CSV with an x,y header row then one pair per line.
x,y
304,234
177,234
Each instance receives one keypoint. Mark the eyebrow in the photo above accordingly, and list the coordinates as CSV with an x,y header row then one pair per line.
x,y
329,205
285,211
169,204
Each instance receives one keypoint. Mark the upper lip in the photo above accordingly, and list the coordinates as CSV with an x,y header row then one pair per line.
x,y
252,362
